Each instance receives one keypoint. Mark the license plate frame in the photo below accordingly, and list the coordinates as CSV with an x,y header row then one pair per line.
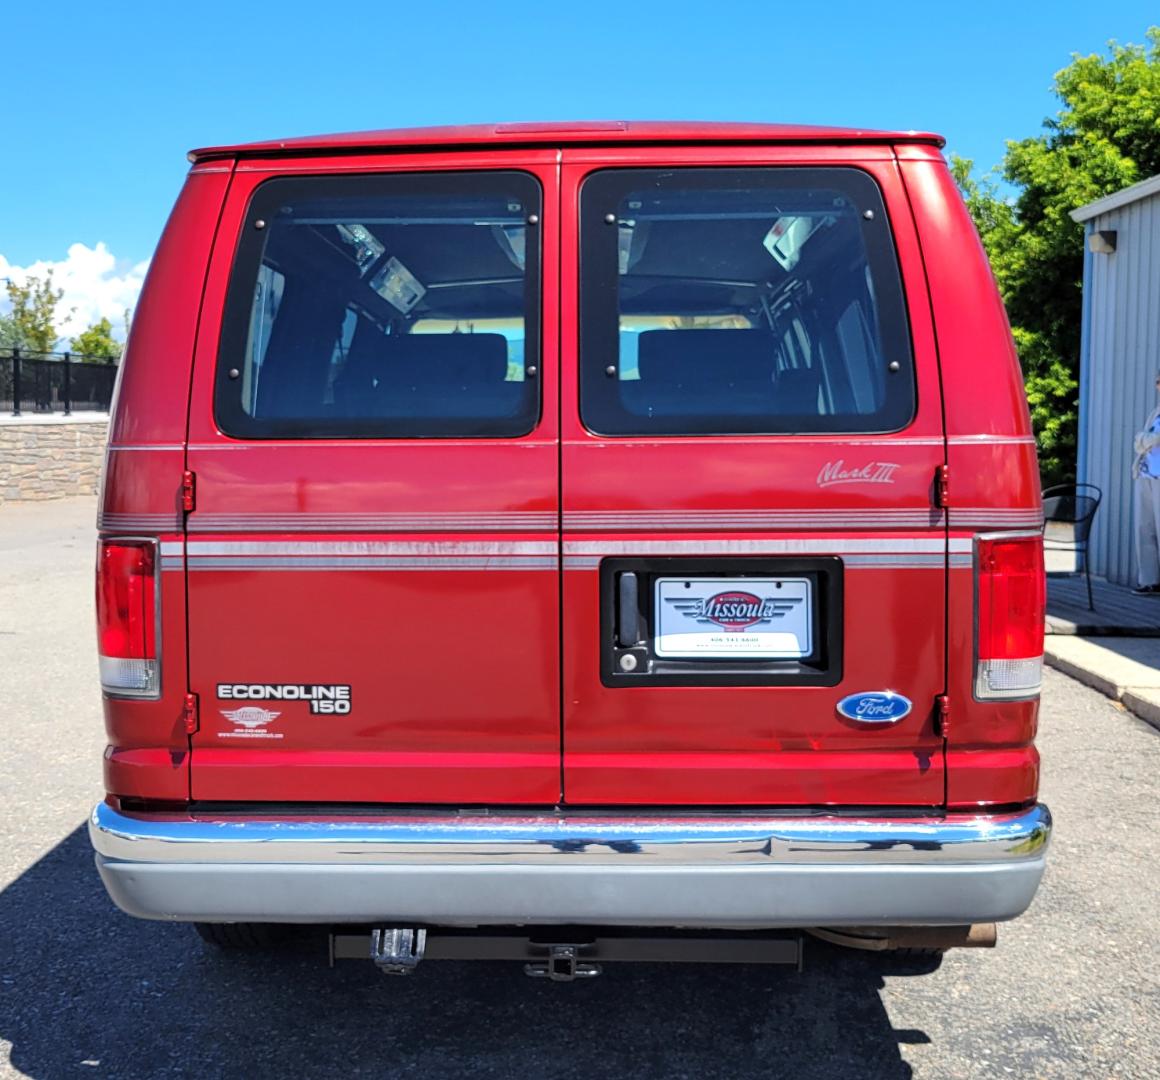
x,y
742,617
627,657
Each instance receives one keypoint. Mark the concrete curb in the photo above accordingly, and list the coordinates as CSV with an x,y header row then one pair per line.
x,y
1087,676
1132,680
1145,704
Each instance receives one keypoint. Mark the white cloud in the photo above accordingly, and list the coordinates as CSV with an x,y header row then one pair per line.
x,y
94,285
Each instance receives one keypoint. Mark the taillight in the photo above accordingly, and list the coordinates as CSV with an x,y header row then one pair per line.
x,y
127,617
1011,602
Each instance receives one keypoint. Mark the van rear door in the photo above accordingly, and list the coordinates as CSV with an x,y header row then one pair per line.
x,y
372,552
755,561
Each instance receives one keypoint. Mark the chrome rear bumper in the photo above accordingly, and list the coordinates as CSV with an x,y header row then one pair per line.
x,y
573,867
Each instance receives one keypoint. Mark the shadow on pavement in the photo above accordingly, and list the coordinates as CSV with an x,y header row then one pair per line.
x,y
89,991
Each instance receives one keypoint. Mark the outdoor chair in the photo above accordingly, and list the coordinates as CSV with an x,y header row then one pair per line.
x,y
1068,513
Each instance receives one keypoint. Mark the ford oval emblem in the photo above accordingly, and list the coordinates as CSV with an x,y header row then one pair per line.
x,y
875,707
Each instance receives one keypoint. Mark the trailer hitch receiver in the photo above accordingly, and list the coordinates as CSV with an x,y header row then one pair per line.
x,y
562,965
397,950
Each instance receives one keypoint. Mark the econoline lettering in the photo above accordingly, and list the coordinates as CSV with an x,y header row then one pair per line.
x,y
315,693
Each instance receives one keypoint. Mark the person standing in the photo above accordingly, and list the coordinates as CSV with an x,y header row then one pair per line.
x,y
1146,474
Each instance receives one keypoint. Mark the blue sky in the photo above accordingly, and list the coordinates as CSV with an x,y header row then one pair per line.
x,y
103,99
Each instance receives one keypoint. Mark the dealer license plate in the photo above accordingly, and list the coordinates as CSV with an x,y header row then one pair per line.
x,y
757,618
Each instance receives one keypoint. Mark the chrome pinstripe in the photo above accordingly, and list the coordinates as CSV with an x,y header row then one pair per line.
x,y
902,440
141,523
148,448
500,521
659,520
991,440
243,548
851,562
800,440
843,545
984,518
875,520
856,552
494,562
350,555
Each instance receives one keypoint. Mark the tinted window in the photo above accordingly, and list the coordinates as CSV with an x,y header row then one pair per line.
x,y
402,305
720,301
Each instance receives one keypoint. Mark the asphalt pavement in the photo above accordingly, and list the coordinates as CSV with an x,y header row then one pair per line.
x,y
1072,990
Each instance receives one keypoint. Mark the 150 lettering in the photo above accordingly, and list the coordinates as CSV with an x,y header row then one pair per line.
x,y
330,707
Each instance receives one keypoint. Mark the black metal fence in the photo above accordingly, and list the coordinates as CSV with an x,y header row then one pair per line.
x,y
54,382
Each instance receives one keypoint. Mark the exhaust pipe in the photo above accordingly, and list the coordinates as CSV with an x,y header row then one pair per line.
x,y
889,938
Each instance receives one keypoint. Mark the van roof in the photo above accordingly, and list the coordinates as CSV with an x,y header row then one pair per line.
x,y
567,133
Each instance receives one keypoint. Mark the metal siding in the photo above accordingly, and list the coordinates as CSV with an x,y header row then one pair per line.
x,y
1136,381
1149,293
1085,350
1122,419
1100,420
1120,412
1120,353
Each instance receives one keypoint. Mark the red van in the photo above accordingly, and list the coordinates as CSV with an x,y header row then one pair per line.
x,y
574,526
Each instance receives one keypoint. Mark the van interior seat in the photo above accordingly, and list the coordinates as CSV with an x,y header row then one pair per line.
x,y
447,361
417,375
702,372
797,391
355,384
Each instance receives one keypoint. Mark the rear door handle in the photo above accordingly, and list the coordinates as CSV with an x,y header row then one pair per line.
x,y
627,610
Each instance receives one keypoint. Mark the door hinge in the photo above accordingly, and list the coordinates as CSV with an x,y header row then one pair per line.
x,y
943,714
187,490
942,486
189,714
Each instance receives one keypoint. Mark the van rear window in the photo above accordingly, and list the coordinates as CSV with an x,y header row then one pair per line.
x,y
743,300
390,306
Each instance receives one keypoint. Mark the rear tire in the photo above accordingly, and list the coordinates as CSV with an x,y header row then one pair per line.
x,y
242,936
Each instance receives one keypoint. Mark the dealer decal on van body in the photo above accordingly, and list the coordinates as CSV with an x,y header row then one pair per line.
x,y
250,723
323,698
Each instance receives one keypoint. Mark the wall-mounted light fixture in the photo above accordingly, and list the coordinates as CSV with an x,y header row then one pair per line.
x,y
1103,242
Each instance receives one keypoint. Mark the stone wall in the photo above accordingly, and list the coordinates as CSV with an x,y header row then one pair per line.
x,y
49,458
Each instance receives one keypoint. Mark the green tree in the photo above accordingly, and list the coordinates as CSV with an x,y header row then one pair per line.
x,y
34,312
9,333
97,340
1105,137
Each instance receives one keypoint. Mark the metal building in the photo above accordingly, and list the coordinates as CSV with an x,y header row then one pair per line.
x,y
1119,359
